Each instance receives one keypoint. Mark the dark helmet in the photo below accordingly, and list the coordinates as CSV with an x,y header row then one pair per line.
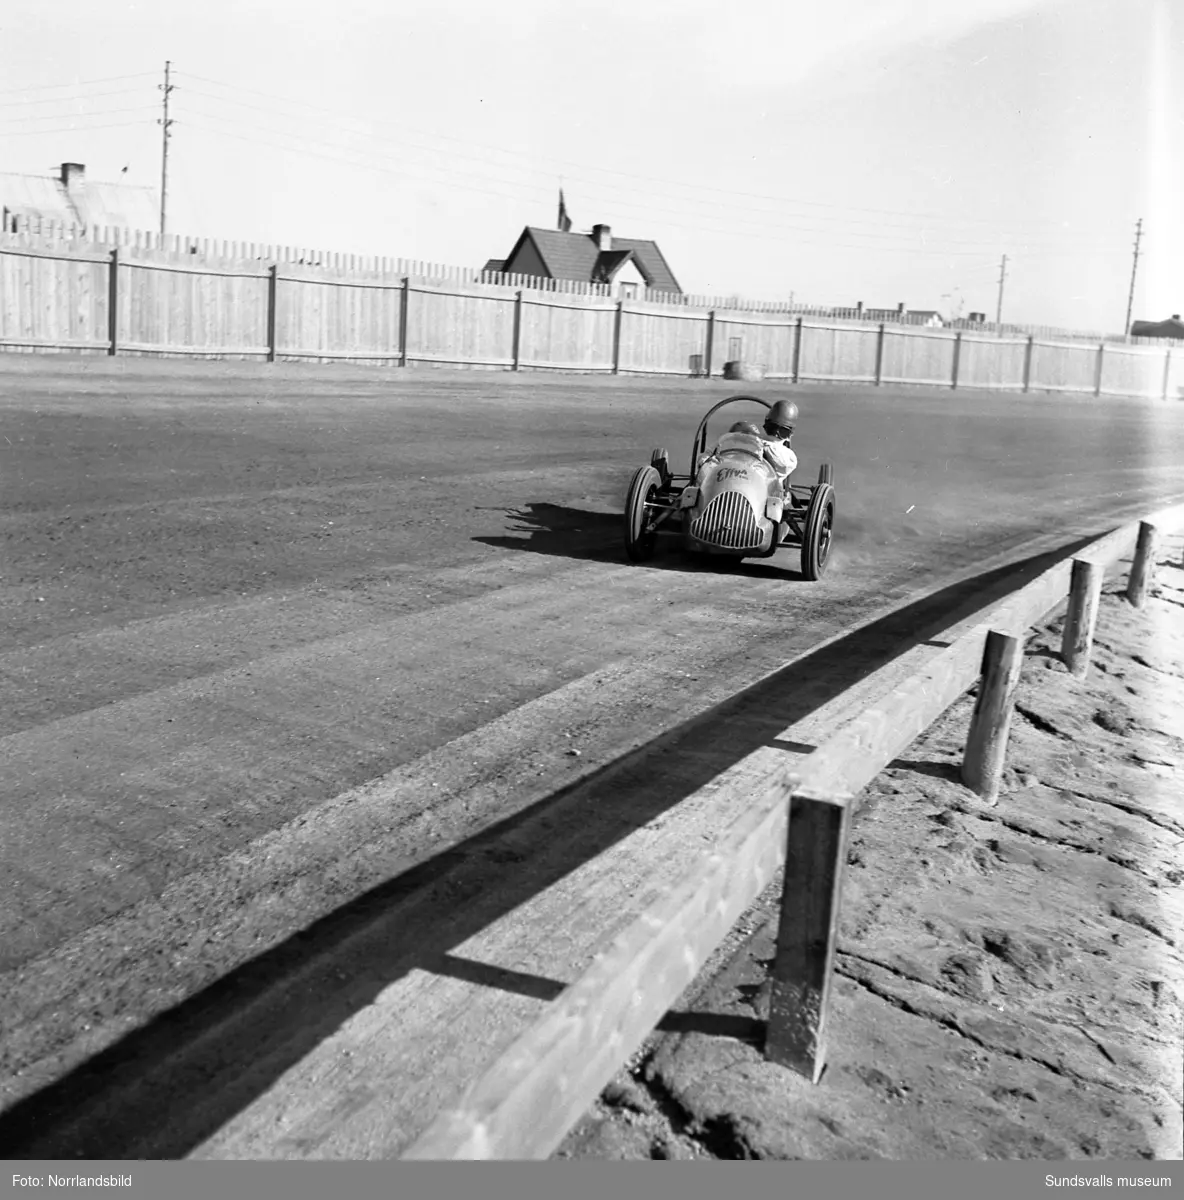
x,y
781,419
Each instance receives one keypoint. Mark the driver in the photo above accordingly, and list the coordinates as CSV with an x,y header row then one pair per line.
x,y
779,426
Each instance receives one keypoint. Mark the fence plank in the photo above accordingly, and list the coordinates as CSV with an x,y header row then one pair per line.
x,y
1143,567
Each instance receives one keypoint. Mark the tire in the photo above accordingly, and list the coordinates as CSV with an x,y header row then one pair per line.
x,y
826,474
818,533
660,461
644,487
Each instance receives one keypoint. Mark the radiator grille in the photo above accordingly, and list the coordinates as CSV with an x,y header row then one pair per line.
x,y
728,521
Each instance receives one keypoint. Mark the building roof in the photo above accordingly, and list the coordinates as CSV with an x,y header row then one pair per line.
x,y
577,256
494,264
1173,327
84,202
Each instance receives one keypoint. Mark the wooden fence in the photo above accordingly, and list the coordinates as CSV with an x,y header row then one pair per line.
x,y
145,298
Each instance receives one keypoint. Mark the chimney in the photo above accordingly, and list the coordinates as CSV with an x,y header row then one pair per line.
x,y
859,307
1175,316
900,307
73,175
603,236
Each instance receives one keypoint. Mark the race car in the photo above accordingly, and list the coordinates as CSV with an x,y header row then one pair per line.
x,y
731,502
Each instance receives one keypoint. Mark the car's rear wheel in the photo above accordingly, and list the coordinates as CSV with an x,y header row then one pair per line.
x,y
640,540
818,532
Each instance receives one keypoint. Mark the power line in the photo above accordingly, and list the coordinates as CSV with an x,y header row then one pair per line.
x,y
68,99
101,112
72,129
999,304
46,87
632,175
716,210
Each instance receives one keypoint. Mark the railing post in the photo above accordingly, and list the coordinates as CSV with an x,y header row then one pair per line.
x,y
1085,592
1028,362
272,295
517,326
797,352
986,744
1143,567
617,337
113,302
879,353
957,356
1167,372
799,1001
709,344
1098,369
406,302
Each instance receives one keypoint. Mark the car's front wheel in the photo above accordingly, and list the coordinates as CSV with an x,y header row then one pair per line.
x,y
640,536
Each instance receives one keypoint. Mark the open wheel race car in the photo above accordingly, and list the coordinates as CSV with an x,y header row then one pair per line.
x,y
731,503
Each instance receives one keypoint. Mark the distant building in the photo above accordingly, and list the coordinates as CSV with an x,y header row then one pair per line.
x,y
74,200
1171,328
928,317
628,265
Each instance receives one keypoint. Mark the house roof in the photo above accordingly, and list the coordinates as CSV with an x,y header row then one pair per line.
x,y
1173,327
86,203
609,262
576,256
494,264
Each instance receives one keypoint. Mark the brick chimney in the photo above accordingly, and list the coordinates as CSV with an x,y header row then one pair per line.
x,y
73,175
603,236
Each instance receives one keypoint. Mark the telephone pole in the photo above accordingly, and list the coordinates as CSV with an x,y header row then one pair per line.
x,y
165,123
1130,300
999,303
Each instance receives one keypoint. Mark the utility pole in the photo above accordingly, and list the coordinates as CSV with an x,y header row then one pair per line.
x,y
999,303
1130,300
165,124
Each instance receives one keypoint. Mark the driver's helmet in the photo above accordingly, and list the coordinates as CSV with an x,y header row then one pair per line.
x,y
781,419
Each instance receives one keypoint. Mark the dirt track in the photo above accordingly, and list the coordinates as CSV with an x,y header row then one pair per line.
x,y
232,594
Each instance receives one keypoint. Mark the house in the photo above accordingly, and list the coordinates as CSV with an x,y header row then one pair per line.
x,y
628,265
1172,328
928,317
74,200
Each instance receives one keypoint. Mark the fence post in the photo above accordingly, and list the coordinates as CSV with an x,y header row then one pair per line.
x,y
799,1000
406,300
517,326
797,352
879,353
709,344
957,356
272,294
617,337
986,744
1167,371
1085,592
113,302
1028,362
1098,369
1143,567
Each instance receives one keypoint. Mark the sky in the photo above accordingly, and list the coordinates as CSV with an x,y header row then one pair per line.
x,y
883,151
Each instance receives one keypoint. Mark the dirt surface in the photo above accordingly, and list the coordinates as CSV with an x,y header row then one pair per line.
x,y
1010,979
276,637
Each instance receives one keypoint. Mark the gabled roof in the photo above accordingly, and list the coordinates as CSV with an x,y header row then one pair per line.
x,y
576,256
87,203
609,262
495,264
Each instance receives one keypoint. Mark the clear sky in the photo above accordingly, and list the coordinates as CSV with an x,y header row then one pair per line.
x,y
874,150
